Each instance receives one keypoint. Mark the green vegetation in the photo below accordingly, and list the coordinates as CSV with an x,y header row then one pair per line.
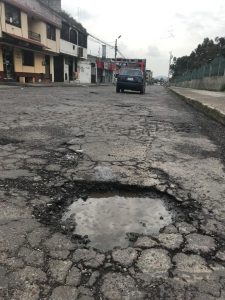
x,y
203,55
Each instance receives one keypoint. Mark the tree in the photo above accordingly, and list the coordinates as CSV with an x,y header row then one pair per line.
x,y
202,55
179,66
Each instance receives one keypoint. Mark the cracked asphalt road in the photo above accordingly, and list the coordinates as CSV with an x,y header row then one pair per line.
x,y
57,143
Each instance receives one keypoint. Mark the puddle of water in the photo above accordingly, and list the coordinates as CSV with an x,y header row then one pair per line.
x,y
108,218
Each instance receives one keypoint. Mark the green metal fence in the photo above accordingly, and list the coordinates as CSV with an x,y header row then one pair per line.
x,y
215,68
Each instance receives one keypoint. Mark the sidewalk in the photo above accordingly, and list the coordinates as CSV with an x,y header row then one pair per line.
x,y
52,84
210,103
8,87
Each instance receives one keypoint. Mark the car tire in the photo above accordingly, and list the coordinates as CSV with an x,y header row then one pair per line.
x,y
122,90
142,91
117,90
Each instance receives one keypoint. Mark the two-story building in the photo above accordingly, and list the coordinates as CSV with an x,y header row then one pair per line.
x,y
73,50
71,65
29,40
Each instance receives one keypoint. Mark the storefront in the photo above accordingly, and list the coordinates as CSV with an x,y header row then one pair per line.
x,y
23,60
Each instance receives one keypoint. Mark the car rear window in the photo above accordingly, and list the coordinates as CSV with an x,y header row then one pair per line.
x,y
131,72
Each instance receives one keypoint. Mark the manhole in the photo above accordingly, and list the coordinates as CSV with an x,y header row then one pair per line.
x,y
108,218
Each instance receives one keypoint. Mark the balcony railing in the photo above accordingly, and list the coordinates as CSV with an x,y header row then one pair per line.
x,y
34,36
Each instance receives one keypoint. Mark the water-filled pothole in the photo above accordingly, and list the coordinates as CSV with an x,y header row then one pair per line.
x,y
109,218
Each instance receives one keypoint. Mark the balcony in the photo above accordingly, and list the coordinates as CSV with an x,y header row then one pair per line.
x,y
34,36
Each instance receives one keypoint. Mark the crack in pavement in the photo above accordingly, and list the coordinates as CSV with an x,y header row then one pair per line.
x,y
159,146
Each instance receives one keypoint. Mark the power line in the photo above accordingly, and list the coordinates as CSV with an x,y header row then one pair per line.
x,y
101,41
123,56
95,41
105,43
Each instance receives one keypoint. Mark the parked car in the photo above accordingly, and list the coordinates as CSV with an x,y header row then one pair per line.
x,y
130,79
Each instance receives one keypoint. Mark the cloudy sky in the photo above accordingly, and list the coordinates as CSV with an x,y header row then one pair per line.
x,y
150,29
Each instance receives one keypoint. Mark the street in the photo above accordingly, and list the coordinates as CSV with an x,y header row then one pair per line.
x,y
94,148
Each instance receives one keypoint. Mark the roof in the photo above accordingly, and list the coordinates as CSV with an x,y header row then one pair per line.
x,y
72,22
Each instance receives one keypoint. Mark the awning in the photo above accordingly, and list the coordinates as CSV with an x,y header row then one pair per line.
x,y
30,41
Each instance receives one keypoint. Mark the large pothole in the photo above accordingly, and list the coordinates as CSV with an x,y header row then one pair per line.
x,y
109,218
105,215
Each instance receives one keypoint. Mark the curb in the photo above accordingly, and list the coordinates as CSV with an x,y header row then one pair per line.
x,y
211,112
28,85
8,87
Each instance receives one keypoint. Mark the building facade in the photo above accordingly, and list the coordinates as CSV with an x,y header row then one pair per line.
x,y
149,77
29,40
132,63
101,70
73,51
105,70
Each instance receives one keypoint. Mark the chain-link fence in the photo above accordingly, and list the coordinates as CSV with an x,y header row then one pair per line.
x,y
215,68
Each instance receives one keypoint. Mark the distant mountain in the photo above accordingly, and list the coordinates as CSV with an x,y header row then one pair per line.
x,y
159,77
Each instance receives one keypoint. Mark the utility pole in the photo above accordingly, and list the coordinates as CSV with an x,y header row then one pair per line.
x,y
171,57
116,50
116,47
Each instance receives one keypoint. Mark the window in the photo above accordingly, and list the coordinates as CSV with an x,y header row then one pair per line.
x,y
73,36
65,32
82,39
12,15
80,52
131,72
28,58
51,32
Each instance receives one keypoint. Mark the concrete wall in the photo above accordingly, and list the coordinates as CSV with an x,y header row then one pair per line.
x,y
38,10
40,27
52,68
66,70
84,53
214,83
84,72
9,28
53,45
2,14
38,63
1,61
68,48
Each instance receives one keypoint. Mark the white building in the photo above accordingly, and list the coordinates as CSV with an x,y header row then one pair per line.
x,y
70,65
73,51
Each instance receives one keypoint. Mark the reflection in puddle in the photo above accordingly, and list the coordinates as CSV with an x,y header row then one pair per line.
x,y
107,218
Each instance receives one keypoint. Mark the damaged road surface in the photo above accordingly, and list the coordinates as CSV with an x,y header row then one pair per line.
x,y
109,196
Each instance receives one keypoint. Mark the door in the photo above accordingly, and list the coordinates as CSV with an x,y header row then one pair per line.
x,y
71,77
47,67
8,63
59,68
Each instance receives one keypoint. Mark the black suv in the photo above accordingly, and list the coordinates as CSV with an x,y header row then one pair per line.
x,y
130,79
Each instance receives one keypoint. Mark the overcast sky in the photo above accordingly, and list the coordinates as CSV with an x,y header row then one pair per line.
x,y
150,29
